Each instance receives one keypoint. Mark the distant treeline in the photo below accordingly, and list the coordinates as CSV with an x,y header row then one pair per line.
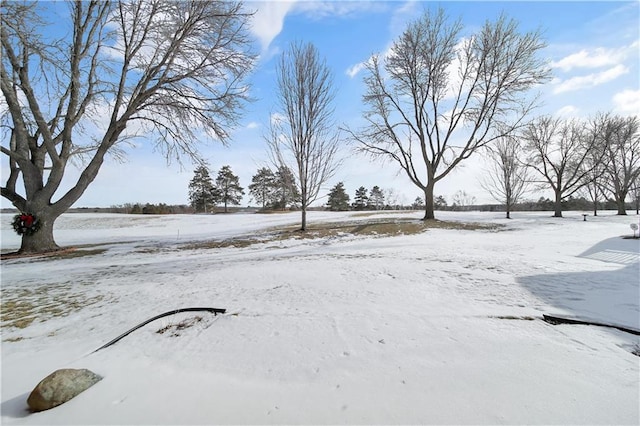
x,y
148,208
137,208
544,204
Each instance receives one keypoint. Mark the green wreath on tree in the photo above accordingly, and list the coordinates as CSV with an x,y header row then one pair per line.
x,y
25,224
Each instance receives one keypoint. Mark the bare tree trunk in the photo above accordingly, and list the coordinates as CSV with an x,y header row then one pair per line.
x,y
41,241
429,212
622,208
303,226
557,205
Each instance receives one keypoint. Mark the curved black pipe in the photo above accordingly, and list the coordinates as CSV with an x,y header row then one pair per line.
x,y
554,319
214,311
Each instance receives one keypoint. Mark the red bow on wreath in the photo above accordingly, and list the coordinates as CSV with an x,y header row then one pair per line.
x,y
27,219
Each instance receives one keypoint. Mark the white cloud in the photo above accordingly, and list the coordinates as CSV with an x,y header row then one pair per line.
x,y
253,125
268,20
354,70
269,17
590,80
627,102
589,59
324,9
596,58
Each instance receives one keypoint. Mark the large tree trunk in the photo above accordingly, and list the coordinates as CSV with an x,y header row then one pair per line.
x,y
428,201
42,240
622,208
557,206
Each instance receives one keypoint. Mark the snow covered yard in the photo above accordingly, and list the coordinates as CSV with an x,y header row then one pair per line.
x,y
438,327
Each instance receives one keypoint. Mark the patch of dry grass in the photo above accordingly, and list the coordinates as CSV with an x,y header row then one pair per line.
x,y
239,242
514,317
67,253
175,329
21,307
384,227
376,227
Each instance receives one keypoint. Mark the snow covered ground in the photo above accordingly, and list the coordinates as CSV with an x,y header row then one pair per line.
x,y
440,327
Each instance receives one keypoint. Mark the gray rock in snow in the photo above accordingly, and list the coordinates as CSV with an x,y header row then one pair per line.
x,y
59,387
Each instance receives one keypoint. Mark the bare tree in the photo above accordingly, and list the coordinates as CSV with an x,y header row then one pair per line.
x,y
168,70
507,178
462,200
594,165
620,137
557,150
593,188
303,132
391,198
436,98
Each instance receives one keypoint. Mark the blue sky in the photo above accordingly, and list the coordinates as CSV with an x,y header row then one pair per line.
x,y
592,48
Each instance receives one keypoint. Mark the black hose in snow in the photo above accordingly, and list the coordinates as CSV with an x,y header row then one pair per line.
x,y
554,319
214,311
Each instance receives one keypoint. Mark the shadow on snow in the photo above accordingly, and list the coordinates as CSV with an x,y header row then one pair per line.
x,y
606,296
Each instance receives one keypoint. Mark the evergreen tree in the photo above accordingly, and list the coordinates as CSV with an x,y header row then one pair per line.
x,y
264,188
440,203
361,200
286,191
418,203
202,193
376,198
228,186
338,198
